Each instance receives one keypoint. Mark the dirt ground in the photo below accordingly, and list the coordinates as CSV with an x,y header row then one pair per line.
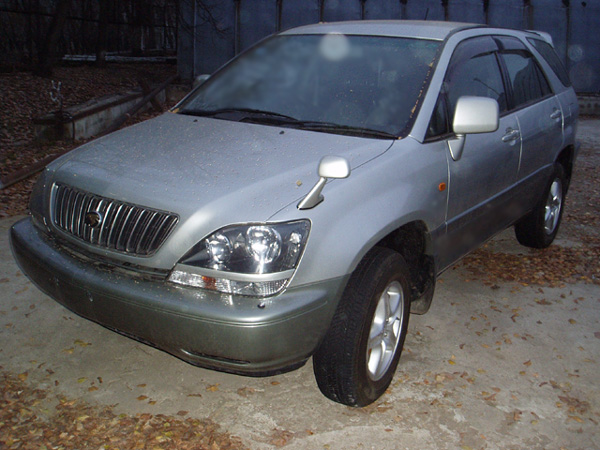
x,y
507,358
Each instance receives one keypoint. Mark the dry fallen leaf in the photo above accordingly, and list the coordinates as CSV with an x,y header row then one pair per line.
x,y
245,391
279,438
77,425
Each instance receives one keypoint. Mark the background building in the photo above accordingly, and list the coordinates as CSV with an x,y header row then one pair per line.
x,y
213,31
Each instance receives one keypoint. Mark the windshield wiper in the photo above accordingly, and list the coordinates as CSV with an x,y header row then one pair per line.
x,y
345,129
244,114
274,118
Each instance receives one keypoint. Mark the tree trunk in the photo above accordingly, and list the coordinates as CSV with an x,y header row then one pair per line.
x,y
47,52
137,27
102,44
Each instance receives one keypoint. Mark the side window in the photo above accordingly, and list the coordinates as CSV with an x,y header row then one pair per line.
x,y
479,76
552,59
527,80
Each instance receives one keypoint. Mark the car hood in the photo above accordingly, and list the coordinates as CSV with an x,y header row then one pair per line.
x,y
209,172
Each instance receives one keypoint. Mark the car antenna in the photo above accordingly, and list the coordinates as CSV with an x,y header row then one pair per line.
x,y
426,13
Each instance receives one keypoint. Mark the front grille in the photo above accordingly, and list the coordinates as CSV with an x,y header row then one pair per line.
x,y
110,223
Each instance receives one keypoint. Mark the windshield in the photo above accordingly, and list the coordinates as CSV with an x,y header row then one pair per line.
x,y
322,82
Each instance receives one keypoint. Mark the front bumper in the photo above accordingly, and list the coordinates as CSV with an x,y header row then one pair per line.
x,y
208,329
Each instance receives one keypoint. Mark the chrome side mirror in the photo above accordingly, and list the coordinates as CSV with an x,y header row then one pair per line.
x,y
329,167
473,115
476,115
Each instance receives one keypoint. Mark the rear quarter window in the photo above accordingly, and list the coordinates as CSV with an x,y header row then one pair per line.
x,y
550,56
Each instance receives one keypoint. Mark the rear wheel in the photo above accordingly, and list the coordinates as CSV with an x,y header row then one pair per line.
x,y
358,357
539,228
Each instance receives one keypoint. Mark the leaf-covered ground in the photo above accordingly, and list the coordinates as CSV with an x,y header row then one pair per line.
x,y
573,257
28,423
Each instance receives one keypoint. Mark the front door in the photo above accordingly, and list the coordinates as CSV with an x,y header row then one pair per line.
x,y
479,201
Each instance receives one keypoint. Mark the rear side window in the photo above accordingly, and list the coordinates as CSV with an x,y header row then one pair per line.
x,y
527,80
548,53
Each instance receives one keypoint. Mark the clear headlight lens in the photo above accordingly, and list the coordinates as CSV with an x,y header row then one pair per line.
x,y
253,259
219,248
264,244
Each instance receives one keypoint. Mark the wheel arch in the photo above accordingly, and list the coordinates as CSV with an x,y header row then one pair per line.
x,y
566,159
413,241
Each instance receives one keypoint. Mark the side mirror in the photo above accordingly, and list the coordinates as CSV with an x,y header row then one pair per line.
x,y
334,167
329,167
476,115
200,79
473,115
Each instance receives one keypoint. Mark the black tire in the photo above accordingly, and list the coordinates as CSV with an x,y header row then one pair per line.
x,y
539,228
340,364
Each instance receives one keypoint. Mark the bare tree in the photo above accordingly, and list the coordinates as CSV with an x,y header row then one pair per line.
x,y
102,42
47,51
142,26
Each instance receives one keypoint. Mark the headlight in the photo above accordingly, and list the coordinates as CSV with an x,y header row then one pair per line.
x,y
254,259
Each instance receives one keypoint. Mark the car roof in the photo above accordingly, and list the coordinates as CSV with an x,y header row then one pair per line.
x,y
435,30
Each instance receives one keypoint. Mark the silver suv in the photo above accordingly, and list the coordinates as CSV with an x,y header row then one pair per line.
x,y
303,199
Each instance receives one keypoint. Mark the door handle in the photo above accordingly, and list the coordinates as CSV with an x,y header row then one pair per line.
x,y
511,135
556,114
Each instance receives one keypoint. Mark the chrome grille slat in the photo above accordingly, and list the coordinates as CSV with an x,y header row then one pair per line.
x,y
161,224
105,223
124,224
60,200
69,211
98,205
67,200
113,224
126,228
146,228
85,206
132,242
133,223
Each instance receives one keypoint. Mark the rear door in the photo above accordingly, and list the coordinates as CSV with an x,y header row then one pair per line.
x,y
538,110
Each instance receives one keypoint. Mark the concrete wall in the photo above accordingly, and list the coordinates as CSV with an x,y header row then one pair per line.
x,y
213,31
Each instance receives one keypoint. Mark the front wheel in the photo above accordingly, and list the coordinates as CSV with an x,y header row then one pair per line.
x,y
358,357
539,228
